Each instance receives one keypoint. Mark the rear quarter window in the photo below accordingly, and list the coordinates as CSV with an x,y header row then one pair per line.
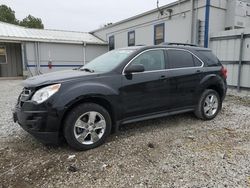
x,y
197,62
209,57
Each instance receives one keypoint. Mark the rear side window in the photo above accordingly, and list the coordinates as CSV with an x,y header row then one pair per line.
x,y
180,59
151,60
210,58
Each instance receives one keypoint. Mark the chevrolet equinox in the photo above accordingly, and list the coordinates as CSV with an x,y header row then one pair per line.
x,y
122,86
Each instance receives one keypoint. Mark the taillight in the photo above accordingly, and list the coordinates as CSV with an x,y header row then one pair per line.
x,y
224,72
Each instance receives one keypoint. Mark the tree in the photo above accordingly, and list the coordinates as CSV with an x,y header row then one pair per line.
x,y
7,15
32,22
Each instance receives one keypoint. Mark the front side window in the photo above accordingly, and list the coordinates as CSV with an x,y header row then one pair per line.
x,y
159,34
111,43
180,59
3,55
151,60
131,38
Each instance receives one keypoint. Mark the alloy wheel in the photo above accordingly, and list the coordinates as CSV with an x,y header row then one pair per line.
x,y
211,105
89,128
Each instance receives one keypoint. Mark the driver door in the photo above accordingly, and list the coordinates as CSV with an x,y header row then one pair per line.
x,y
144,92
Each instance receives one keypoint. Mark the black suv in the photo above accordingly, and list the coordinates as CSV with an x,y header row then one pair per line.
x,y
122,86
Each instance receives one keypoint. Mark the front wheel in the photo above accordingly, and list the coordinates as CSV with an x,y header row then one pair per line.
x,y
87,126
209,105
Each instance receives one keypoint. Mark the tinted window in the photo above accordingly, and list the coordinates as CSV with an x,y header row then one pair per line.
x,y
112,43
151,60
131,38
209,57
179,59
159,34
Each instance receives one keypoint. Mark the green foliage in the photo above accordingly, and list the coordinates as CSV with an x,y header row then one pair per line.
x,y
32,22
8,15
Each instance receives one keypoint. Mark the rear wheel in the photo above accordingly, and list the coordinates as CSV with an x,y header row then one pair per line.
x,y
209,105
87,126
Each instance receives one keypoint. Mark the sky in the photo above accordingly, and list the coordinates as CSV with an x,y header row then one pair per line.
x,y
80,15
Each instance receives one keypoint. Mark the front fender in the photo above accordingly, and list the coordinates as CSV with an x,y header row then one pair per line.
x,y
80,90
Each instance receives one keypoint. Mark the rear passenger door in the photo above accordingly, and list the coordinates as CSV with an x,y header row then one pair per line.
x,y
184,74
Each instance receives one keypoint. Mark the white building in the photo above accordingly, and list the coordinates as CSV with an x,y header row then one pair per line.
x,y
27,52
184,21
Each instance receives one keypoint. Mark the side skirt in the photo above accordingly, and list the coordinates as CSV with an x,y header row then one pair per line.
x,y
154,116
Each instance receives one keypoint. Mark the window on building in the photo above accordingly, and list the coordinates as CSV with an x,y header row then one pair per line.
x,y
180,59
159,34
3,55
151,60
111,42
131,38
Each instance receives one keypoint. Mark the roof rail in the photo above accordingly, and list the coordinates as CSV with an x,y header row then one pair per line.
x,y
178,44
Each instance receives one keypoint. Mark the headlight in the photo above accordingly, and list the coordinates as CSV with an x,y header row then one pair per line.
x,y
43,94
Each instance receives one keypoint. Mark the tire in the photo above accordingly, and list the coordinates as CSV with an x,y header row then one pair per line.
x,y
87,126
208,107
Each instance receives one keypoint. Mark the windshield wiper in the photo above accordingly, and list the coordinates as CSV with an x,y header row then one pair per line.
x,y
87,70
77,68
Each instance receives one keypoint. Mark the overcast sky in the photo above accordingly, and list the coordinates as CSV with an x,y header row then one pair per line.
x,y
80,15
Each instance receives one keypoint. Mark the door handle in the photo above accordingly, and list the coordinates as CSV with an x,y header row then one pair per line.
x,y
198,71
162,77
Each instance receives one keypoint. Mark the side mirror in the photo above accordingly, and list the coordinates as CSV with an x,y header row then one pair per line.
x,y
135,68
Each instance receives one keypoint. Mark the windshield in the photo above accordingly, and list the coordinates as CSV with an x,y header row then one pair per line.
x,y
107,61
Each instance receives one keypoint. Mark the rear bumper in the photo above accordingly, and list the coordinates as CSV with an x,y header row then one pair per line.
x,y
39,124
225,90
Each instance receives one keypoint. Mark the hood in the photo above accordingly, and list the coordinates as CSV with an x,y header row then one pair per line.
x,y
56,77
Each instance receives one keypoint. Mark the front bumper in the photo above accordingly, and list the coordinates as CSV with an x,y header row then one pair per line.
x,y
39,123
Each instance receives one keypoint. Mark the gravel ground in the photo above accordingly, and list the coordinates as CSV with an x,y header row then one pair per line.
x,y
177,151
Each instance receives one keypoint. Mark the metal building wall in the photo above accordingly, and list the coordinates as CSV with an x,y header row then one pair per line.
x,y
233,49
177,28
13,67
144,28
93,51
40,56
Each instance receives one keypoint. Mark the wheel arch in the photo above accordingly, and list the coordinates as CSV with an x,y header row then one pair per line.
x,y
91,99
217,88
215,83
